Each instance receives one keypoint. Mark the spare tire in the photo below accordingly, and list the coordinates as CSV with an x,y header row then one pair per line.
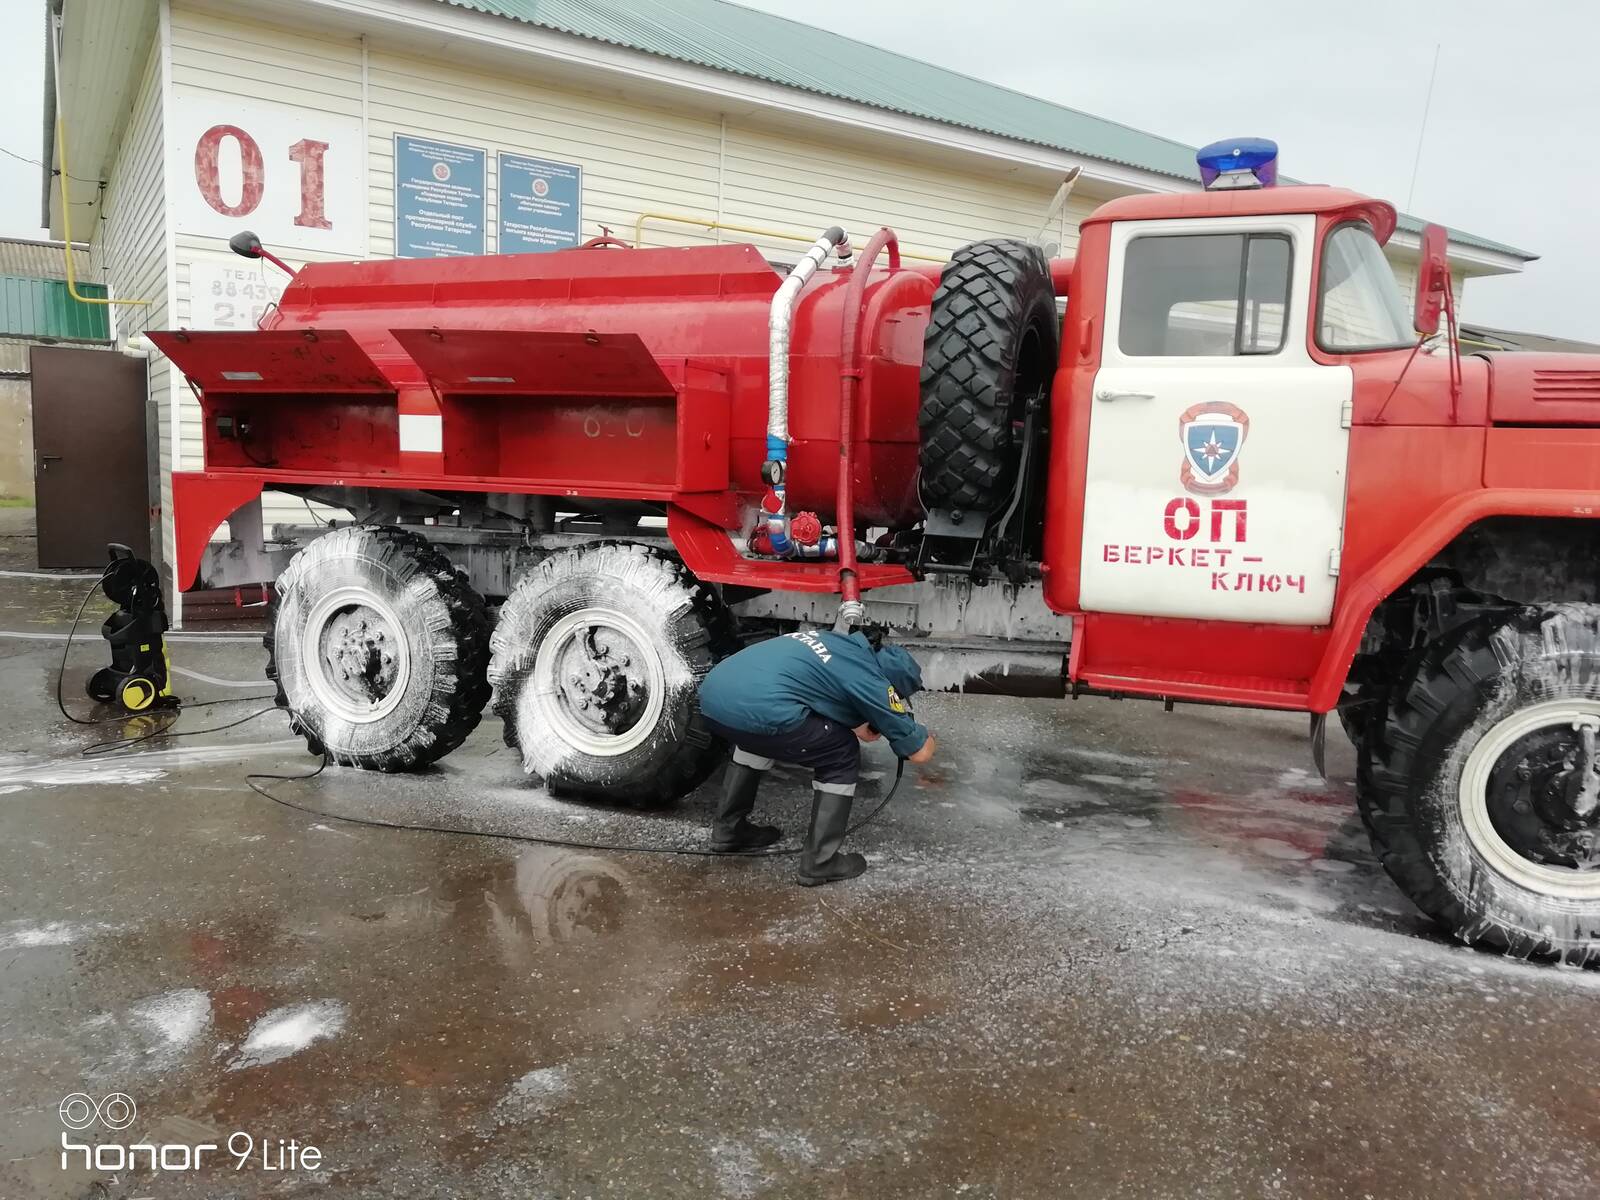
x,y
379,648
990,347
596,664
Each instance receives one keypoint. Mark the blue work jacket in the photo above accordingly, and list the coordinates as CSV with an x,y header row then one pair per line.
x,y
773,686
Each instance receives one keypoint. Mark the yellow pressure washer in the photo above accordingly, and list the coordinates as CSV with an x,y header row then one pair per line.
x,y
139,677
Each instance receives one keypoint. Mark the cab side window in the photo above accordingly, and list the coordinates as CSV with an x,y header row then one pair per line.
x,y
1205,294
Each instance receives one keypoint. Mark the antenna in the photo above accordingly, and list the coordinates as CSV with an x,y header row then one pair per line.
x,y
1422,133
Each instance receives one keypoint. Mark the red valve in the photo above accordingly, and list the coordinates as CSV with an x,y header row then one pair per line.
x,y
770,502
805,528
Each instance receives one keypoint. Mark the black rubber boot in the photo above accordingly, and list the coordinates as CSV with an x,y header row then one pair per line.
x,y
821,861
731,828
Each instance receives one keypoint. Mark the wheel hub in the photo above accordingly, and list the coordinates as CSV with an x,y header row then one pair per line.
x,y
1530,798
599,682
1544,796
357,658
597,674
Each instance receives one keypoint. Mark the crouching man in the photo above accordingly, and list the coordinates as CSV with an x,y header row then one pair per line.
x,y
811,699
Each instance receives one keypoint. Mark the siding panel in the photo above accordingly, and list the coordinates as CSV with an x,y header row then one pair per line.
x,y
128,253
635,158
251,62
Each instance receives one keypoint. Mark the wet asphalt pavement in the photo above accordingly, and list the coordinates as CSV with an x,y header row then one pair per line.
x,y
1102,951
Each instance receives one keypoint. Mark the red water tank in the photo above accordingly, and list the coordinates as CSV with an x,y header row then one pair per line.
x,y
704,308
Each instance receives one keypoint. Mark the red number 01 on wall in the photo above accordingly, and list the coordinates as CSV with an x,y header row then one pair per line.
x,y
295,176
305,153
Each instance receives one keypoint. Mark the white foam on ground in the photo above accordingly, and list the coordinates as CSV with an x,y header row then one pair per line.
x,y
737,1168
19,934
176,1018
184,755
44,772
533,1093
29,635
45,575
286,1031
191,673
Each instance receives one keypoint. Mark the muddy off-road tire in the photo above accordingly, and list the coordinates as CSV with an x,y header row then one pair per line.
x,y
596,665
1482,792
379,648
990,345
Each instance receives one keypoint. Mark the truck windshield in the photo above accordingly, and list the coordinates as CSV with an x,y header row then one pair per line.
x,y
1360,306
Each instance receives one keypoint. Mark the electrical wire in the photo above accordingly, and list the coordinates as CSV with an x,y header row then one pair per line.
x,y
117,747
61,671
562,843
176,711
34,162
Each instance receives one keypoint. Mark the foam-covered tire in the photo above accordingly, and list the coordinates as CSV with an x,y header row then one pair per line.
x,y
990,344
379,648
1467,788
596,664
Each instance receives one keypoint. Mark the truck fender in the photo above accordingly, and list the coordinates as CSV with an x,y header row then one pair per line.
x,y
1356,605
200,503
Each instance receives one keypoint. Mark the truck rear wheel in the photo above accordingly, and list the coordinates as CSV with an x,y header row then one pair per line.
x,y
379,648
1483,791
990,346
596,665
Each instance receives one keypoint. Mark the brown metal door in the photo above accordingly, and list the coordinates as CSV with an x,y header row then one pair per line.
x,y
89,464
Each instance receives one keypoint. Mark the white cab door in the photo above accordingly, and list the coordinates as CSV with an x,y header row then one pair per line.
x,y
1217,446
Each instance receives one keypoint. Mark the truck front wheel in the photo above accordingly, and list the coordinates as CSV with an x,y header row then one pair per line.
x,y
379,648
596,665
1483,792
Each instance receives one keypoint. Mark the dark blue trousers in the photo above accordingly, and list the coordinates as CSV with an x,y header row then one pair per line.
x,y
831,751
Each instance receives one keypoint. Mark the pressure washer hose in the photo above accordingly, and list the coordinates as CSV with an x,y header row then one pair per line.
x,y
125,746
563,843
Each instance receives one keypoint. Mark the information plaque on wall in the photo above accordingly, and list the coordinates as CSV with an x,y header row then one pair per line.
x,y
541,204
439,198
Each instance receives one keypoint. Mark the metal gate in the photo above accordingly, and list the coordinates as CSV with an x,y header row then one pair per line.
x,y
90,468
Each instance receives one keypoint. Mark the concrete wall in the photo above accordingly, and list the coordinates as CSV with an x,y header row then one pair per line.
x,y
16,423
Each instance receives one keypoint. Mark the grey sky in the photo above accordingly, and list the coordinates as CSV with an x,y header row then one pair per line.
x,y
1513,140
22,115
1511,151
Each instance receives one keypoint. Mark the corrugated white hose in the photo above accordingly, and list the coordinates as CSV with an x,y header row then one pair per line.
x,y
780,325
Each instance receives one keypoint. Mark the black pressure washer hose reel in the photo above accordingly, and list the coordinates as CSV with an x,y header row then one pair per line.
x,y
139,677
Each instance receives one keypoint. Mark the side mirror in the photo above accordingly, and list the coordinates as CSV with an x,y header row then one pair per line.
x,y
245,244
1433,277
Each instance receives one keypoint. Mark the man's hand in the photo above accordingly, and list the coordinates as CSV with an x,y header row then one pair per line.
x,y
926,753
867,733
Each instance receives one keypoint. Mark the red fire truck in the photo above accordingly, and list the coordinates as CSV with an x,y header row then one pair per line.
x,y
1237,472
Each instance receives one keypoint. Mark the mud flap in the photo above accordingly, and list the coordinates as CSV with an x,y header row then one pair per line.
x,y
1319,744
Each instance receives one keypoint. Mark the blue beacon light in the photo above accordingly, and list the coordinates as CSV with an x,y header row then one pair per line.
x,y
1238,163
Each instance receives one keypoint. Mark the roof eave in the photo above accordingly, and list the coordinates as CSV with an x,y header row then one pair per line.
x,y
48,156
471,26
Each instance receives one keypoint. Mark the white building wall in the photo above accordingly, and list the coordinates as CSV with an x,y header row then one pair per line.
x,y
636,160
773,178
230,61
128,248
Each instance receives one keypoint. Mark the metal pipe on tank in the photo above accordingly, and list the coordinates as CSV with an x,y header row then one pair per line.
x,y
780,323
855,298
